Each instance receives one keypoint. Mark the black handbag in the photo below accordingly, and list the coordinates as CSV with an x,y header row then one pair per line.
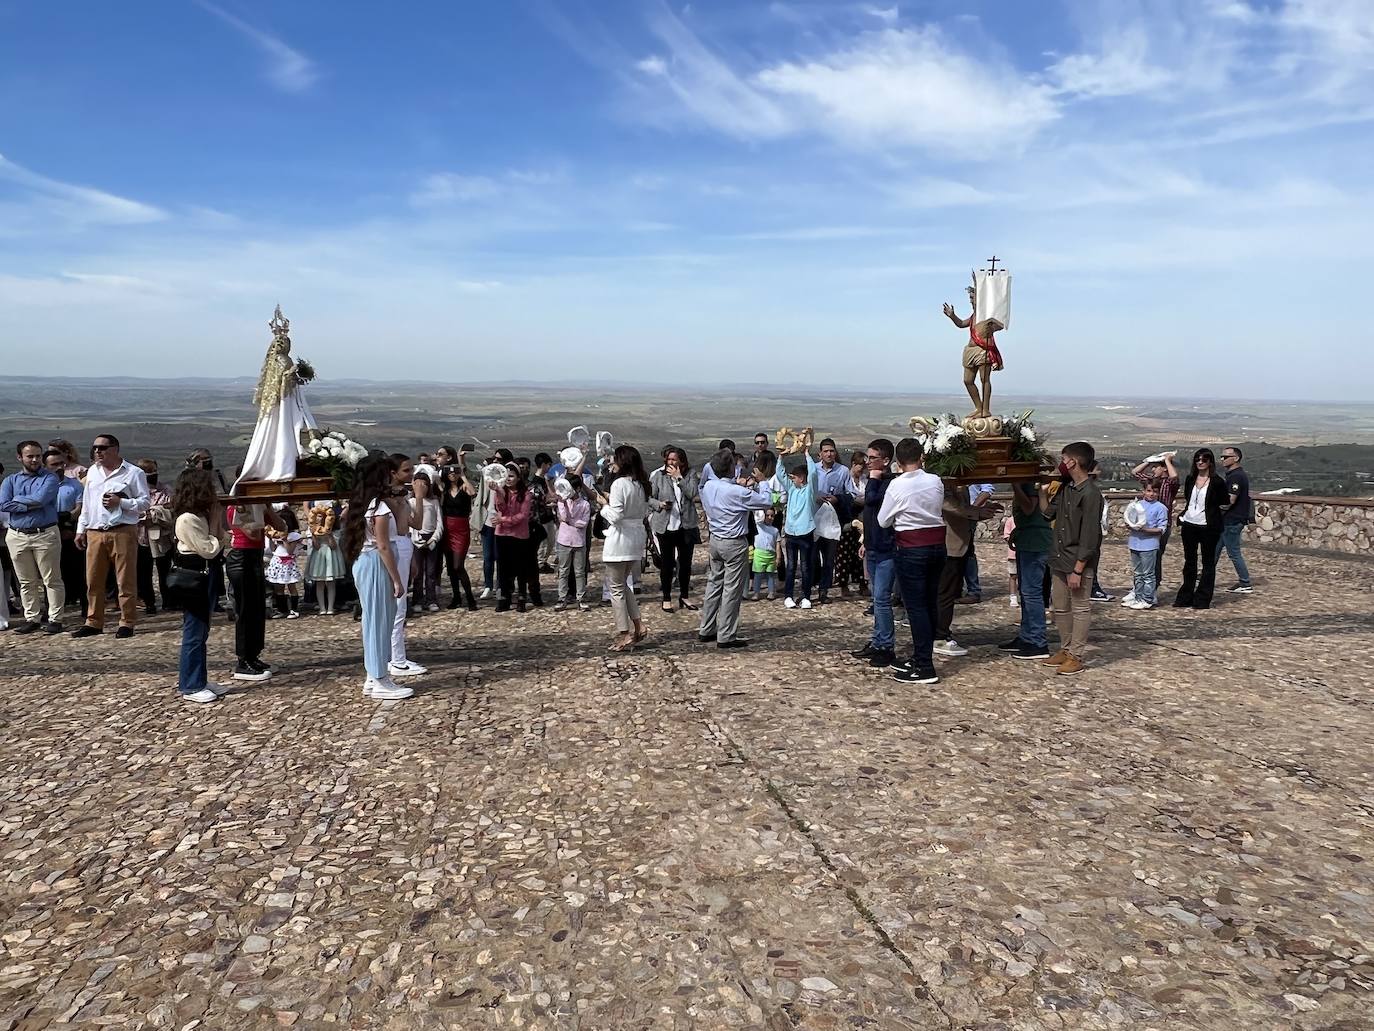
x,y
188,581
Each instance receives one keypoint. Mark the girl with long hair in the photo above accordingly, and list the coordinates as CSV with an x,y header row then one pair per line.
x,y
367,540
1205,500
625,506
673,519
513,502
455,502
200,533
426,536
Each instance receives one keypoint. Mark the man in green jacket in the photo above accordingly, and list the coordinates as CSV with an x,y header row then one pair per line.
x,y
1076,511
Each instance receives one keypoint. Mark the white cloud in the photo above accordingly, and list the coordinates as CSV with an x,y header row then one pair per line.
x,y
652,65
1120,70
72,204
287,69
1342,26
911,87
452,188
890,15
477,286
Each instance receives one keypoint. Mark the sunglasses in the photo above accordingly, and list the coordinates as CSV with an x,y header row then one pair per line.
x,y
101,447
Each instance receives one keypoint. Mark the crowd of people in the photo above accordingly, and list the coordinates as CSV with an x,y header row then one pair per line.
x,y
786,524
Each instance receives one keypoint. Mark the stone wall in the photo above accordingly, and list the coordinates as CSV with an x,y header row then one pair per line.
x,y
1325,524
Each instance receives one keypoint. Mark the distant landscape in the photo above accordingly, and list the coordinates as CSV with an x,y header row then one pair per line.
x,y
1297,446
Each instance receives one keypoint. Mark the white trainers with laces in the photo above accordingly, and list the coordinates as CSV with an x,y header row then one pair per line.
x,y
950,649
486,593
406,669
806,603
202,696
387,691
1128,600
790,603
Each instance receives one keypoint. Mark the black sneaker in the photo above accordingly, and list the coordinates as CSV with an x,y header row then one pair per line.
x,y
52,628
28,628
259,665
1031,651
738,642
882,658
1241,589
1100,595
1014,645
866,652
124,633
915,676
900,665
86,630
247,671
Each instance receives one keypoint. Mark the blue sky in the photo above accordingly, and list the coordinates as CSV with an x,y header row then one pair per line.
x,y
711,191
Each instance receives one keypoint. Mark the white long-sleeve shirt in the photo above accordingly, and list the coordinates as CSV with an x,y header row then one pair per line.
x,y
128,478
913,501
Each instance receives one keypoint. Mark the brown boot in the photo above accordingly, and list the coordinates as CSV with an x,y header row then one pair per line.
x,y
1056,659
1070,666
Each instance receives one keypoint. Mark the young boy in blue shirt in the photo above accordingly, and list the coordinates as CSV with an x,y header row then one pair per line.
x,y
801,485
1144,543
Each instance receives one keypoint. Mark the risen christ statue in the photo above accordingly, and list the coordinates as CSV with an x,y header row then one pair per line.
x,y
981,357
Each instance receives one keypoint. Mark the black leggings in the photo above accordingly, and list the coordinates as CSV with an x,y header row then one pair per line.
x,y
1196,589
675,553
514,560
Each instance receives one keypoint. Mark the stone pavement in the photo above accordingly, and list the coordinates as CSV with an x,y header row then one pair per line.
x,y
552,837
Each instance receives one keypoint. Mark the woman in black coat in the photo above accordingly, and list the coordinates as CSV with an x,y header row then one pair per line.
x,y
1205,500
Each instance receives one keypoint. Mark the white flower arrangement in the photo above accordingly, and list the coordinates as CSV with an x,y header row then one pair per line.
x,y
337,454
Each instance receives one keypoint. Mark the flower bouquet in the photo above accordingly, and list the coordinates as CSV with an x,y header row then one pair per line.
x,y
305,372
949,448
332,454
1027,445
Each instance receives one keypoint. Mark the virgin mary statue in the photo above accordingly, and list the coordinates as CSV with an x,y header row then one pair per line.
x,y
282,411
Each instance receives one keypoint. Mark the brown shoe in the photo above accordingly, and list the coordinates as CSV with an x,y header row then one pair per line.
x,y
1070,666
1056,659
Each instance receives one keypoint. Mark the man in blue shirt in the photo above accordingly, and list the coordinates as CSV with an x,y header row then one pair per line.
x,y
728,505
835,487
978,494
29,499
879,553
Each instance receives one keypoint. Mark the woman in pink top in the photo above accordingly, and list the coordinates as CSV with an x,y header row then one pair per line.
x,y
513,502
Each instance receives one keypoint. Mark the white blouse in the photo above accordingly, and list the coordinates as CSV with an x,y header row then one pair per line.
x,y
625,532
1197,506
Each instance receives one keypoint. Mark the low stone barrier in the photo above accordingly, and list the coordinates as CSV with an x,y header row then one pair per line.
x,y
1324,524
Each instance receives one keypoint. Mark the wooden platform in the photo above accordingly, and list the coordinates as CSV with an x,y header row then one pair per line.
x,y
995,465
303,488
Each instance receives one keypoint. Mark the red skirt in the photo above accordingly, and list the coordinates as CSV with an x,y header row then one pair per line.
x,y
459,532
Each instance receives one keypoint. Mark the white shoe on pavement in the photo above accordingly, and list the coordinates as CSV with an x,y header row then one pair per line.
x,y
486,593
1129,599
406,669
806,603
950,649
790,603
203,695
388,691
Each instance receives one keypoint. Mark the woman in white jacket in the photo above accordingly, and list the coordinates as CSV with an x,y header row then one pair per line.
x,y
625,509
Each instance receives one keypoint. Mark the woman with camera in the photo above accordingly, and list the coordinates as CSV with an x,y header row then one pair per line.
x,y
673,520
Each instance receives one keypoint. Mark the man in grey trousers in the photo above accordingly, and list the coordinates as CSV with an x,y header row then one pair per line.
x,y
728,504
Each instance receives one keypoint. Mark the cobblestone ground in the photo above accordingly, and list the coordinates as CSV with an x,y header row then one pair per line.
x,y
551,837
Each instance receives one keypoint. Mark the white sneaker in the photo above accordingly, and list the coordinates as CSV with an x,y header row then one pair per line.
x,y
950,649
1129,599
789,604
1140,604
1015,602
433,607
405,669
220,690
387,691
486,593
293,614
806,603
203,695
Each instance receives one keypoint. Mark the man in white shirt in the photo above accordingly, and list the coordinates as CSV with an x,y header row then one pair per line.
x,y
115,497
913,507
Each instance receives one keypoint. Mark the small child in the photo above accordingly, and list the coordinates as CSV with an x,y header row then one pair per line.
x,y
325,566
1013,580
573,513
763,556
800,485
284,573
1144,543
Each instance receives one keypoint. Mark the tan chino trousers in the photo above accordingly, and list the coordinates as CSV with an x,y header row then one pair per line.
x,y
38,567
1072,610
120,547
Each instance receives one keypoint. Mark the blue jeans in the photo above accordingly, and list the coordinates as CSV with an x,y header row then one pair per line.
x,y
972,587
918,575
1030,576
882,570
1230,540
799,561
488,557
192,674
1143,566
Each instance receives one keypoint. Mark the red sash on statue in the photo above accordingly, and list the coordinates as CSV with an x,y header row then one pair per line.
x,y
989,345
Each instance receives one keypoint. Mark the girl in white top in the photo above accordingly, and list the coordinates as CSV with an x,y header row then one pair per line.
x,y
407,515
369,529
426,535
200,533
625,508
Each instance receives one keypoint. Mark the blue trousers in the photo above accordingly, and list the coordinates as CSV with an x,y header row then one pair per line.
x,y
1143,567
882,570
1230,540
192,674
972,587
918,575
489,557
378,600
798,561
1030,576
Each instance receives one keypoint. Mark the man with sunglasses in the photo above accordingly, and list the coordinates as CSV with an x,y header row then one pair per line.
x,y
1237,516
115,497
